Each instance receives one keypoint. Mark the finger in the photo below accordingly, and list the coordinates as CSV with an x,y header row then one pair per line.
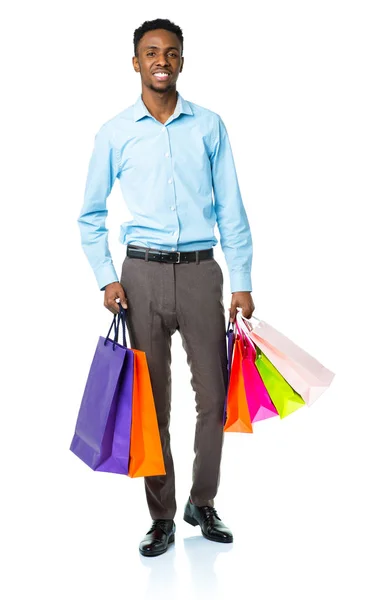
x,y
123,300
113,306
251,310
116,306
232,313
247,312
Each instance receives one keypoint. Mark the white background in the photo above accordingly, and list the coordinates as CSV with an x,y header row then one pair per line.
x,y
294,82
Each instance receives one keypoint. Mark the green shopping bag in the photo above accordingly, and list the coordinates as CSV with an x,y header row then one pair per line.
x,y
284,398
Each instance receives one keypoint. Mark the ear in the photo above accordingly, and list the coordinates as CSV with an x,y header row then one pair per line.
x,y
136,64
182,63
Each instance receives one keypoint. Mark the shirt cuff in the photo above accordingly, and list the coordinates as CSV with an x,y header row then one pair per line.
x,y
240,281
104,275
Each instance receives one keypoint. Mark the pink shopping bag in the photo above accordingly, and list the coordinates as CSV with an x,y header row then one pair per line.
x,y
259,402
306,375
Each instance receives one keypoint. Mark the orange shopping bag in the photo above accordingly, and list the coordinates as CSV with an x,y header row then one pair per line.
x,y
238,418
145,456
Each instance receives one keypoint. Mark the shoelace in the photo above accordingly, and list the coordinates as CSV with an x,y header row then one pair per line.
x,y
210,512
161,523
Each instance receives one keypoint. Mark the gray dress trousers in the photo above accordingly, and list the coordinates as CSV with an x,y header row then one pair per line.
x,y
187,297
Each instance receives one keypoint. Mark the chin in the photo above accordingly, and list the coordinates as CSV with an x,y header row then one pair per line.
x,y
161,88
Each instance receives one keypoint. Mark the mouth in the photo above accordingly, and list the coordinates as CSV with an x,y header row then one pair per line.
x,y
161,75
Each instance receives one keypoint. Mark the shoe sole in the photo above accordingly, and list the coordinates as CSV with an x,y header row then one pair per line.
x,y
159,552
193,522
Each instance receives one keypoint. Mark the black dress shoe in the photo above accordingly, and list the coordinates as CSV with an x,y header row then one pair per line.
x,y
159,536
211,525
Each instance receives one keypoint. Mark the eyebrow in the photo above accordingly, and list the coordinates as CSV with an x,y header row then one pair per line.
x,y
169,48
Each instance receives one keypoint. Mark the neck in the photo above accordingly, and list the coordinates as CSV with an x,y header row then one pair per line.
x,y
160,104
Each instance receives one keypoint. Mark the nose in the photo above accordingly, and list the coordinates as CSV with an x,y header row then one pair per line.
x,y
162,61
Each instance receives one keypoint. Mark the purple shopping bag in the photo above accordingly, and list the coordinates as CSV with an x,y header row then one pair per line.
x,y
103,428
230,351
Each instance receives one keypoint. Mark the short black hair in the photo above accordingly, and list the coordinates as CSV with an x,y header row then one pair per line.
x,y
156,24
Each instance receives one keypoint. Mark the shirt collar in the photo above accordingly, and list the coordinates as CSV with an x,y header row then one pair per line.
x,y
140,110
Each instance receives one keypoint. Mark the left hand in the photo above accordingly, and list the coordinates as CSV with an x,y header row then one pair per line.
x,y
244,301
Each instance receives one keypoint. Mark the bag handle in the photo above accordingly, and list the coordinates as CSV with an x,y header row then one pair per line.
x,y
244,327
121,318
230,328
233,327
118,318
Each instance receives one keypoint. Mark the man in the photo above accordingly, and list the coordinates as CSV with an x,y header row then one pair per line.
x,y
170,155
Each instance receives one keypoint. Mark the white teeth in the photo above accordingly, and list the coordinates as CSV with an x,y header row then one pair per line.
x,y
161,74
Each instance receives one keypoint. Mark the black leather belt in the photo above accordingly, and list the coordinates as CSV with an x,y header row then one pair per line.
x,y
169,257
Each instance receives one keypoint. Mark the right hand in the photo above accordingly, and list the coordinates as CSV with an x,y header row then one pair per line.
x,y
112,292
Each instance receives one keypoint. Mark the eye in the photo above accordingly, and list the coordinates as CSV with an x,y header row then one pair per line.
x,y
173,54
149,53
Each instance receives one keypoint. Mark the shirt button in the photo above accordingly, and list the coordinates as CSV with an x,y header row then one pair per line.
x,y
167,154
172,207
170,181
173,248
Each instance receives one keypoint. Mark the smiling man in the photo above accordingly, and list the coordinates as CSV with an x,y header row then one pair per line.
x,y
176,171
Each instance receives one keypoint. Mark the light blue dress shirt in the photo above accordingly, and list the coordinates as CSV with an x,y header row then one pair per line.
x,y
178,179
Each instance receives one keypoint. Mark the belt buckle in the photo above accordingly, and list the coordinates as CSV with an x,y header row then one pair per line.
x,y
178,261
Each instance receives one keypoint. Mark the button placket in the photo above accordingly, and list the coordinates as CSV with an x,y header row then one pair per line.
x,y
170,181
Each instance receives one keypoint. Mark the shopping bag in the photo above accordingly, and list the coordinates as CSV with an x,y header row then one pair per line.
x,y
284,398
306,375
260,405
146,457
103,428
230,352
237,413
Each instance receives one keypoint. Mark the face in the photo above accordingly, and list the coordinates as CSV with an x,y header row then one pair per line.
x,y
159,60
